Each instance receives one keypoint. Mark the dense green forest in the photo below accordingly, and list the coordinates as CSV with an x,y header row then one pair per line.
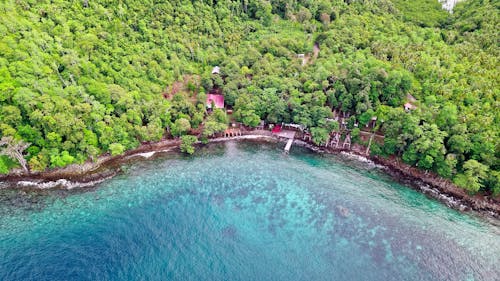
x,y
83,78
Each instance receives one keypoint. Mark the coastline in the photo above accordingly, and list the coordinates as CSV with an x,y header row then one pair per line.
x,y
89,174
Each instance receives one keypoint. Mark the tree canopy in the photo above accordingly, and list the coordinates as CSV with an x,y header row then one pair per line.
x,y
82,78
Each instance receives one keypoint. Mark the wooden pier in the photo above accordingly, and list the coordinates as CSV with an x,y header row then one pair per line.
x,y
288,145
287,134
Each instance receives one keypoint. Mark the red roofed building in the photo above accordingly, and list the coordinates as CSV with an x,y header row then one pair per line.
x,y
408,106
218,101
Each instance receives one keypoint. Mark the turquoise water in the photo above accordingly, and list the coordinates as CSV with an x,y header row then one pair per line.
x,y
242,211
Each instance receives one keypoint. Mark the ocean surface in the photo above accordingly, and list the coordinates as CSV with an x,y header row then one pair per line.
x,y
242,211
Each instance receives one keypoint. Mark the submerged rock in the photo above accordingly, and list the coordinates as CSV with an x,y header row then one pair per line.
x,y
343,211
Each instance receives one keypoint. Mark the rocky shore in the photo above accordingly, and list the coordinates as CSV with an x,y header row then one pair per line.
x,y
86,174
426,182
92,173
439,188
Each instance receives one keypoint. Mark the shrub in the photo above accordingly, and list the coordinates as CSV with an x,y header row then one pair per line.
x,y
187,144
116,149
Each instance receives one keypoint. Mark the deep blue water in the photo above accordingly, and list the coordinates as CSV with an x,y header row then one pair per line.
x,y
242,211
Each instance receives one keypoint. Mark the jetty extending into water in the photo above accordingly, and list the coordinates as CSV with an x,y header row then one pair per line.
x,y
288,145
286,134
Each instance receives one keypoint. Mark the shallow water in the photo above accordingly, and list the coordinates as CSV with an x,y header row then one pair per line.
x,y
242,211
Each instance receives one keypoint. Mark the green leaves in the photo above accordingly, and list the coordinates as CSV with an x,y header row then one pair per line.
x,y
428,13
187,144
248,118
427,147
472,177
81,81
116,149
180,127
319,135
212,127
59,159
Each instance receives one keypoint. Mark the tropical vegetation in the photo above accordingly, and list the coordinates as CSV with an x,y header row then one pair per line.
x,y
82,78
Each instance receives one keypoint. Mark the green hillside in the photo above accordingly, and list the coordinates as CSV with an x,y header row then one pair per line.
x,y
82,78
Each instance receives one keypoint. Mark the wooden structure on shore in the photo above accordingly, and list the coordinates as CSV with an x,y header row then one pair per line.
x,y
335,141
288,145
287,134
306,137
232,133
347,142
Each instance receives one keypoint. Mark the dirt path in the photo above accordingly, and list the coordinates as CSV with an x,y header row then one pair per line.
x,y
315,53
315,50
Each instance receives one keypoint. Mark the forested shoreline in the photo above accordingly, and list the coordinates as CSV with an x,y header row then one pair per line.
x,y
80,79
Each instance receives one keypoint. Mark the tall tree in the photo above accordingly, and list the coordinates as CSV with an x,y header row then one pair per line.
x,y
14,149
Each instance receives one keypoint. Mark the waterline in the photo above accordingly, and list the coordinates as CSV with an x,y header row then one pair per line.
x,y
241,211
